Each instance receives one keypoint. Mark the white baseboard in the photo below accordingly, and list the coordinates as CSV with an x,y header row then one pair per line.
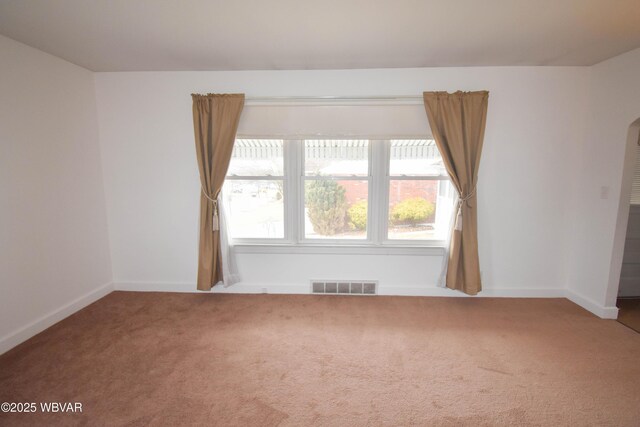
x,y
155,287
305,288
239,288
423,291
434,291
601,311
43,322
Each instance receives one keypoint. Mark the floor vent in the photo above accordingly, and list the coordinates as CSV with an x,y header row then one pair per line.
x,y
364,287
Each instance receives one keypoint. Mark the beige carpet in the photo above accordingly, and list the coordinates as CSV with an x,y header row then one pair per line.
x,y
143,359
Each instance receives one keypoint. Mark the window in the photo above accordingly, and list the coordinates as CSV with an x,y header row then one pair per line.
x,y
254,189
338,191
420,196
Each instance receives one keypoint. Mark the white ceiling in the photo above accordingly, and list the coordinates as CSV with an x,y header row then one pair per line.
x,y
136,35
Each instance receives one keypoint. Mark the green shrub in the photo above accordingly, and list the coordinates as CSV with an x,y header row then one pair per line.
x,y
412,211
357,214
326,206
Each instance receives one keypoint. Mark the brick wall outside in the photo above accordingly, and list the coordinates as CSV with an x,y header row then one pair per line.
x,y
398,190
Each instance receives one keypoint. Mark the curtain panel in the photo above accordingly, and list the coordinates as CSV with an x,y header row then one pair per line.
x,y
215,123
458,122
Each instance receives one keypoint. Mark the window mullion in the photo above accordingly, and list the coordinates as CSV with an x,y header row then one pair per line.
x,y
373,211
291,171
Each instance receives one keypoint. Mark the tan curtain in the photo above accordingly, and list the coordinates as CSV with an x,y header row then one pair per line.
x,y
215,122
457,121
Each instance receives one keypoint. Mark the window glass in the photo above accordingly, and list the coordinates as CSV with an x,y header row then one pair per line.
x,y
255,209
336,157
255,206
419,209
335,209
257,157
419,157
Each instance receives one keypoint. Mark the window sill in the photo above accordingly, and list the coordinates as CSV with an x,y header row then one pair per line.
x,y
339,249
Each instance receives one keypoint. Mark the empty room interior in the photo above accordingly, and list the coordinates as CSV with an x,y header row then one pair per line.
x,y
336,213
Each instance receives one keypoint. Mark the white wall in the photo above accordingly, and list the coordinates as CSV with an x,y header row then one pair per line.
x,y
54,253
614,105
535,126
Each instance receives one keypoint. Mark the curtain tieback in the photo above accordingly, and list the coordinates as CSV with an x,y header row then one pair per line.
x,y
461,201
215,222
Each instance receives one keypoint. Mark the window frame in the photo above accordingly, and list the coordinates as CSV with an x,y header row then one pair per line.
x,y
286,214
303,177
379,179
384,223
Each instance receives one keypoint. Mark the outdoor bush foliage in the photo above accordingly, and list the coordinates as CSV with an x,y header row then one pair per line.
x,y
357,214
327,206
412,211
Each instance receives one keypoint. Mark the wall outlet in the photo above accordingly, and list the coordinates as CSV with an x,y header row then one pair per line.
x,y
264,290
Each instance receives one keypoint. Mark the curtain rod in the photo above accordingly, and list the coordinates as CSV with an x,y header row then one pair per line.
x,y
333,100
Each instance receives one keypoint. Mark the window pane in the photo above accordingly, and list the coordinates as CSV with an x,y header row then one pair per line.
x,y
336,157
255,208
335,209
257,157
419,209
415,157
